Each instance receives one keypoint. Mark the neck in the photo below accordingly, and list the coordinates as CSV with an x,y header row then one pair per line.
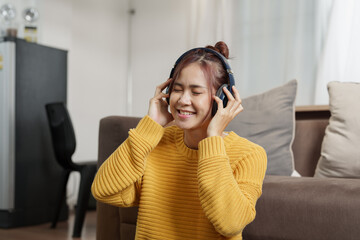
x,y
192,138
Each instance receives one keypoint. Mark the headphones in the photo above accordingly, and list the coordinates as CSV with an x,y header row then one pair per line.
x,y
219,93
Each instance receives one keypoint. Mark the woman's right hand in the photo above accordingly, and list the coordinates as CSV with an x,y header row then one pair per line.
x,y
158,107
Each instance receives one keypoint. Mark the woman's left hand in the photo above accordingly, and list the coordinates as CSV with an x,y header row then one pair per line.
x,y
225,115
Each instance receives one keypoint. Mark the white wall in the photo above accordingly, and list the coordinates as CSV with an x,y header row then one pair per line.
x,y
159,36
96,61
94,32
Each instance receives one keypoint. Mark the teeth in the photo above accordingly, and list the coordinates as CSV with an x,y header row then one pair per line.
x,y
186,113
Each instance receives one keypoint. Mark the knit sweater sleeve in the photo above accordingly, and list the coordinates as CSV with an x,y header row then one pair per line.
x,y
118,180
228,194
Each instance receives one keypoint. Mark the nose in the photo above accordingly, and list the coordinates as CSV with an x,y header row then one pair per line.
x,y
185,98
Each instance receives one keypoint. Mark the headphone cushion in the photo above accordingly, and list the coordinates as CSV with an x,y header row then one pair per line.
x,y
220,94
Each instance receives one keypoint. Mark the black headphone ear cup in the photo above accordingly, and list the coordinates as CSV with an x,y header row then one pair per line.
x,y
168,98
220,94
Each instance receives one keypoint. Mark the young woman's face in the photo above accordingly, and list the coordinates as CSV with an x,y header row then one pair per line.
x,y
190,99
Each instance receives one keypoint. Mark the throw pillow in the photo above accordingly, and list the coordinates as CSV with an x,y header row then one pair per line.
x,y
340,151
268,119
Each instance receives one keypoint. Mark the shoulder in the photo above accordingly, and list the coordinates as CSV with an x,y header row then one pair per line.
x,y
239,148
240,144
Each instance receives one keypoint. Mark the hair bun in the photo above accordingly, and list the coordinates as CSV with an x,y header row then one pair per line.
x,y
222,48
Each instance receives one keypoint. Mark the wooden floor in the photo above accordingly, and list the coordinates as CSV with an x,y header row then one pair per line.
x,y
63,231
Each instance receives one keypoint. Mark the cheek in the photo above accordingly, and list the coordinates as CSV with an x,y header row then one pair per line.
x,y
204,103
174,98
172,102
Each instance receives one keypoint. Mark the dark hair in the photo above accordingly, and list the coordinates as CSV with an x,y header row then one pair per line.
x,y
210,64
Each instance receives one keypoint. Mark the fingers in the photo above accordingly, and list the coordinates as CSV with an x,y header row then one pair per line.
x,y
162,86
236,94
160,96
228,94
219,103
234,100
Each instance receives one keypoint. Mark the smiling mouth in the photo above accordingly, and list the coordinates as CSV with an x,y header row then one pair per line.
x,y
185,113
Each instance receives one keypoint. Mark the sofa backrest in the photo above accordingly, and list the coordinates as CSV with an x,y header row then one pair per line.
x,y
112,132
311,122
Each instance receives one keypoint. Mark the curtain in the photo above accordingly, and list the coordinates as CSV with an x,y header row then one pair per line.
x,y
340,56
210,22
274,42
270,42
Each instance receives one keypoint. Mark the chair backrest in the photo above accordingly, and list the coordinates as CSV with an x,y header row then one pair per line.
x,y
62,133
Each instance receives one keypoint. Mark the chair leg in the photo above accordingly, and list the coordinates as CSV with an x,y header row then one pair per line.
x,y
87,177
61,197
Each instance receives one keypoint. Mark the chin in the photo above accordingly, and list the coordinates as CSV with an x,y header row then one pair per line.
x,y
183,126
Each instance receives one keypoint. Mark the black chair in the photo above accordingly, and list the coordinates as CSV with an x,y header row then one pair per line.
x,y
64,143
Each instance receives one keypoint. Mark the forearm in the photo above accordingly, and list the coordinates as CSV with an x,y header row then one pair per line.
x,y
115,180
227,198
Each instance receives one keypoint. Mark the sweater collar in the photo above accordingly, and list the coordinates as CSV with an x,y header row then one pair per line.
x,y
193,153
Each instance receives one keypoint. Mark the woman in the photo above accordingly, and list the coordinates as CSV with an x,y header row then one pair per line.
x,y
191,180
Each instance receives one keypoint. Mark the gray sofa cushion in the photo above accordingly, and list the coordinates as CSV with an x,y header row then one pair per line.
x,y
340,152
268,119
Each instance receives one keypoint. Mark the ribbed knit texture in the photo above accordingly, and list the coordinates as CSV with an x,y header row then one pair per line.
x,y
183,193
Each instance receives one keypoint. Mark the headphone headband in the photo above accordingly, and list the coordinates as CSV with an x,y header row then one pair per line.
x,y
223,60
219,92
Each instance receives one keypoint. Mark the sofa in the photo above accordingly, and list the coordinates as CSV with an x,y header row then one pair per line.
x,y
290,207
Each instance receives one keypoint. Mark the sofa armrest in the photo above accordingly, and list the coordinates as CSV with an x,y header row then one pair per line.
x,y
113,131
111,221
307,208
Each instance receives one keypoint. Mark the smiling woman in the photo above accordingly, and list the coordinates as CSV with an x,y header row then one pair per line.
x,y
191,180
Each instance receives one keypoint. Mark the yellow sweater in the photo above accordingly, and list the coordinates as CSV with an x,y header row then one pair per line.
x,y
209,193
